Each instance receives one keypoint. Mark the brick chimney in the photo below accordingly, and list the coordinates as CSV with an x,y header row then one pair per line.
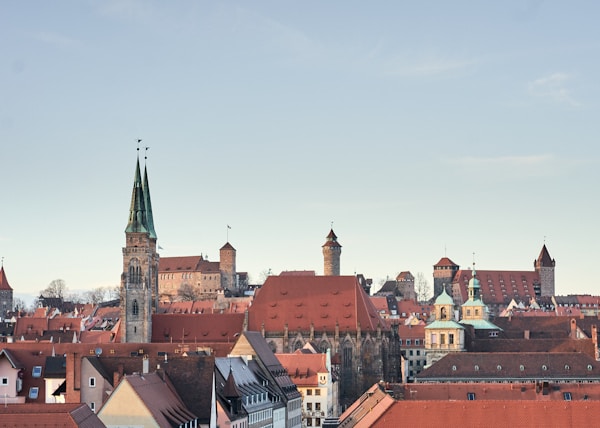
x,y
73,368
573,334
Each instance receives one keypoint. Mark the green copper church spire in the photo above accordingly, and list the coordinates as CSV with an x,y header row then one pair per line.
x,y
147,202
137,211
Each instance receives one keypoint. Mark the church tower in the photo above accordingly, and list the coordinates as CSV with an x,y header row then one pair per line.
x,y
139,280
6,295
331,255
544,266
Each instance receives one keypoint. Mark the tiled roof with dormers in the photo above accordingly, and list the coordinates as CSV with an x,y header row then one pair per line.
x,y
499,287
512,366
192,328
186,264
490,414
304,369
320,301
496,391
497,344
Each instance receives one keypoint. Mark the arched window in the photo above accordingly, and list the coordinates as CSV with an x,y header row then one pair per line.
x,y
443,314
135,272
135,309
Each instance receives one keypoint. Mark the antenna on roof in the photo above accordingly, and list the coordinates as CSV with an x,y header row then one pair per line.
x,y
2,261
473,260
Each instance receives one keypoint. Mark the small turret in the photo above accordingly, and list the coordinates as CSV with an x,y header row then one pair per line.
x,y
331,255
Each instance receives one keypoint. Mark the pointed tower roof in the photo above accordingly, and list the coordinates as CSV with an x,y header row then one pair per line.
x,y
148,205
544,258
230,390
137,211
3,281
227,246
445,261
332,240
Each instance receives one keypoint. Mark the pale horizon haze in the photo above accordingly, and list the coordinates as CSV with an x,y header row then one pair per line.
x,y
420,129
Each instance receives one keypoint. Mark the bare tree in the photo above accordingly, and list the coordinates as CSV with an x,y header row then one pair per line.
x,y
422,287
19,304
57,288
187,293
95,296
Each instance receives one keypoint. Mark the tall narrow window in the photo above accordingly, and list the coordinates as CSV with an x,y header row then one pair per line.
x,y
135,310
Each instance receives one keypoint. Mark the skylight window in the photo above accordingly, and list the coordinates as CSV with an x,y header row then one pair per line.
x,y
37,371
33,392
567,396
470,396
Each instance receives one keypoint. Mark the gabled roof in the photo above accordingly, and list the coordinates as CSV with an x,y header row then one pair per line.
x,y
14,362
163,403
320,301
3,281
304,369
368,408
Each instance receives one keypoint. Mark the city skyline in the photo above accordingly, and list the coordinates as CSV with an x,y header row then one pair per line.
x,y
420,132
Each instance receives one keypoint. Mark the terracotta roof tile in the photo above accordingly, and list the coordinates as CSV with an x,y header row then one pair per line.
x,y
485,413
321,301
445,261
197,327
49,415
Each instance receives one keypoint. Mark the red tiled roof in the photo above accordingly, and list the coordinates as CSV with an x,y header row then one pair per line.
x,y
369,407
297,273
175,264
302,368
445,261
483,413
320,301
49,415
499,286
3,281
405,276
192,328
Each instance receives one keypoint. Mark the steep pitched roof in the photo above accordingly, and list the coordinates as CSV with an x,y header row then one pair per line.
x,y
4,285
498,287
162,402
323,301
368,408
544,258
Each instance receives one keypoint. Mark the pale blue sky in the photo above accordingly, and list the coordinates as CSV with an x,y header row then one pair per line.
x,y
414,126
